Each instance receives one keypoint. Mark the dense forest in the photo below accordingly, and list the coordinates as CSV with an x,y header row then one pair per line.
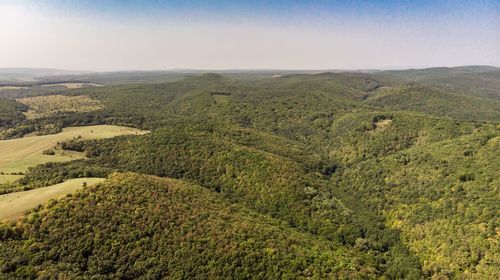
x,y
385,175
134,225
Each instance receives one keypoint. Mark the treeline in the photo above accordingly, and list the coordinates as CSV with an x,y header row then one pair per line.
x,y
136,226
11,115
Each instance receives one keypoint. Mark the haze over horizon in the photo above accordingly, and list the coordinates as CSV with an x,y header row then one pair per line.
x,y
216,35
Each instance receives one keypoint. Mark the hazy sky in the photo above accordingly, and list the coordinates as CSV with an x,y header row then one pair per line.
x,y
147,35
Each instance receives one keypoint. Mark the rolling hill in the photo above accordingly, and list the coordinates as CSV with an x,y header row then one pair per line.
x,y
359,175
171,229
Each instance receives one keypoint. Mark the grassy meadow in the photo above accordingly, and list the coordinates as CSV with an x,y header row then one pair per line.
x,y
72,85
13,205
20,154
9,178
45,106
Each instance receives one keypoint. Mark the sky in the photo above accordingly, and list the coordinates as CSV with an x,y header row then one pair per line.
x,y
115,35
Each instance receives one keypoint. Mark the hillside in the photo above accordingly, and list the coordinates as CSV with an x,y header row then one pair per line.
x,y
443,198
359,175
436,101
18,155
139,226
14,205
481,81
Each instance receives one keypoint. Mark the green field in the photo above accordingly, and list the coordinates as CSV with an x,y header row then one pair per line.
x,y
20,154
221,98
9,178
50,105
13,205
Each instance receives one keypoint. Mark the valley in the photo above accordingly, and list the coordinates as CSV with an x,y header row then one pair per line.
x,y
345,175
250,140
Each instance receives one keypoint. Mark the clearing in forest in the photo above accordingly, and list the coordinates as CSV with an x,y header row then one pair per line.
x,y
73,85
11,87
9,178
383,124
19,154
13,205
221,97
50,105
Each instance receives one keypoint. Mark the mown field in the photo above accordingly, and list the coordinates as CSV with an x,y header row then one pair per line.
x,y
9,178
71,85
13,205
20,154
45,106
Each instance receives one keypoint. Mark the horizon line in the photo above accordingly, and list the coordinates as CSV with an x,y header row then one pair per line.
x,y
414,67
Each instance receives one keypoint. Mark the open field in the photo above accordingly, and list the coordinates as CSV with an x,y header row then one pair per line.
x,y
9,178
45,106
19,154
382,124
11,87
73,85
13,205
221,99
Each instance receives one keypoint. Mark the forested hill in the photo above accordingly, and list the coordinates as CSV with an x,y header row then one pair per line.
x,y
383,175
139,226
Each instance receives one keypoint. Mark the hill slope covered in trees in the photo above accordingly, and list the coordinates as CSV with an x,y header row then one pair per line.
x,y
139,226
390,175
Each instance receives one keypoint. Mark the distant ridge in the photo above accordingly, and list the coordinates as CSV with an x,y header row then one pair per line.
x,y
56,72
40,71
